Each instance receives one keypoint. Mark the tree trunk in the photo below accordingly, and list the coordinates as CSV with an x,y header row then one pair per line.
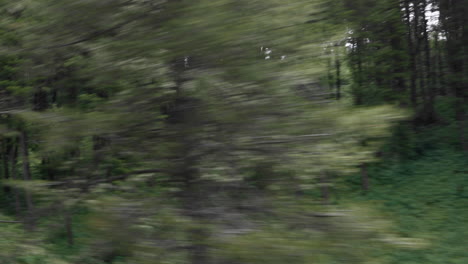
x,y
13,160
69,227
198,235
429,112
185,119
338,77
364,178
5,158
330,73
418,52
358,96
454,23
441,83
40,100
30,215
413,60
325,187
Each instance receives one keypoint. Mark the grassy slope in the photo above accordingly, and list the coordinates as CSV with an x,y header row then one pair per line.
x,y
427,197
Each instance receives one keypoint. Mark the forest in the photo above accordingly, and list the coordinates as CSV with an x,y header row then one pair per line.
x,y
233,131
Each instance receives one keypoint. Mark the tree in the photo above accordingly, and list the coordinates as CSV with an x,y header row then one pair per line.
x,y
172,120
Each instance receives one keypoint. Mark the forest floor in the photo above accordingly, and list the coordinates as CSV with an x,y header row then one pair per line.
x,y
425,197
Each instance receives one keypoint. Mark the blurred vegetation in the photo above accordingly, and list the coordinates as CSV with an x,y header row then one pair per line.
x,y
425,195
222,131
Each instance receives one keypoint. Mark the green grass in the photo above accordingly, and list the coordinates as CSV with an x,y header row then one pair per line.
x,y
426,197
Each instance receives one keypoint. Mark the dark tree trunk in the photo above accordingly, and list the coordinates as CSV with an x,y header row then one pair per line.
x,y
413,59
338,78
6,146
30,215
330,74
441,83
325,188
69,227
40,102
193,203
398,62
13,160
420,63
429,112
364,178
454,23
358,96
185,119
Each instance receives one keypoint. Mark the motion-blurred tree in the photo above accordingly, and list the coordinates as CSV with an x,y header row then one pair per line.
x,y
186,127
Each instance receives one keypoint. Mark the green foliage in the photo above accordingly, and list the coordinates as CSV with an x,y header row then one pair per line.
x,y
425,195
20,247
189,131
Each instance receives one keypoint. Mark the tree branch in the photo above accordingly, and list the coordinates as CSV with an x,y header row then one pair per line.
x,y
98,181
10,222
